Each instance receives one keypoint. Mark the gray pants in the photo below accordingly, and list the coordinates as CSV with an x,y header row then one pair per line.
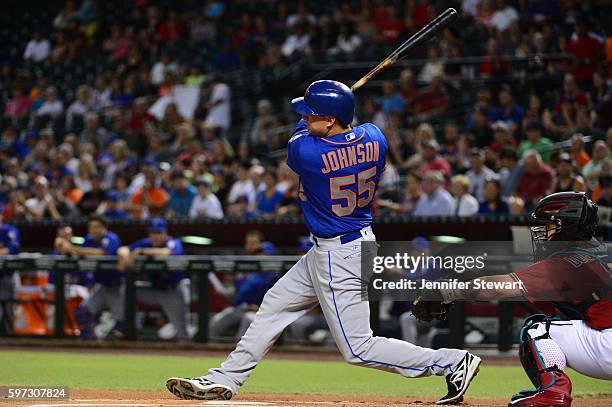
x,y
239,316
329,274
415,331
104,297
173,301
7,297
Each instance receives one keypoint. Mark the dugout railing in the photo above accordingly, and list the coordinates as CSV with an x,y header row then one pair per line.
x,y
198,268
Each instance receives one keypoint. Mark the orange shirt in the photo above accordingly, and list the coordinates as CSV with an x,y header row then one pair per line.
x,y
74,195
580,159
158,198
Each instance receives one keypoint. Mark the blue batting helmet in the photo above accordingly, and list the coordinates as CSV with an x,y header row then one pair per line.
x,y
327,98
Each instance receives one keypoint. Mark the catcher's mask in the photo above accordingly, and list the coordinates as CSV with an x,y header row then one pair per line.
x,y
562,217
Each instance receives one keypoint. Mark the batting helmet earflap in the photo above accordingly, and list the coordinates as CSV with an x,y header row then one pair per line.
x,y
327,98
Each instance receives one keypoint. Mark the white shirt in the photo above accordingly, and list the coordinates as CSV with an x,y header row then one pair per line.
x,y
52,108
295,43
37,206
219,115
37,50
477,181
439,203
240,189
159,70
502,19
207,207
468,205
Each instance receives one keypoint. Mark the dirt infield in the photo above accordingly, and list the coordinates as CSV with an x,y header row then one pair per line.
x,y
120,398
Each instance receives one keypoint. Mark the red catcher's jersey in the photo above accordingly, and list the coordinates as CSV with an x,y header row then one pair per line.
x,y
570,278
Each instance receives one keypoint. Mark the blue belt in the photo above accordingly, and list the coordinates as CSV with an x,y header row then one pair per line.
x,y
349,237
344,239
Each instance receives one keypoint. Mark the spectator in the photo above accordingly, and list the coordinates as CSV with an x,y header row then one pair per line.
x,y
391,101
169,289
37,49
504,16
593,168
107,292
586,48
535,141
453,150
432,100
434,65
243,186
218,104
478,173
52,106
565,178
151,199
605,183
160,68
205,204
42,204
298,43
260,132
181,195
93,132
464,203
577,151
432,160
508,111
269,199
492,204
536,179
435,200
110,208
92,199
18,107
502,138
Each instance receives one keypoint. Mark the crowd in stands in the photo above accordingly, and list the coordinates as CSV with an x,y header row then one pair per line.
x,y
82,130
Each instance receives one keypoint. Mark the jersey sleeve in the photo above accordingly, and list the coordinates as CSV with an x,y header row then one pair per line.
x,y
111,244
139,243
565,278
175,246
13,241
293,147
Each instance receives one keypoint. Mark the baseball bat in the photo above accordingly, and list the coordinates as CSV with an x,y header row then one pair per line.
x,y
418,38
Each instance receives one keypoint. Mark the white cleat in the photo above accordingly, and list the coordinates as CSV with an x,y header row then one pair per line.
x,y
459,381
198,388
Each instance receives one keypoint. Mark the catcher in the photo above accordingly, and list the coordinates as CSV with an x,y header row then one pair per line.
x,y
567,278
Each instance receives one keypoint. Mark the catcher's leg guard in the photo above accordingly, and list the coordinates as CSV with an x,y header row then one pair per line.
x,y
86,322
544,363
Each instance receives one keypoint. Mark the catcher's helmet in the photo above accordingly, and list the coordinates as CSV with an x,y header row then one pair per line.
x,y
327,98
574,214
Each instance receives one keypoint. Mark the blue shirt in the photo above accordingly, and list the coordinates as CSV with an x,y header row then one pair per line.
x,y
9,238
162,280
180,201
109,243
268,205
117,213
338,177
252,289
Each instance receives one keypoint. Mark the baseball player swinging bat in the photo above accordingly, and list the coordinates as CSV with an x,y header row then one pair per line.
x,y
424,34
339,166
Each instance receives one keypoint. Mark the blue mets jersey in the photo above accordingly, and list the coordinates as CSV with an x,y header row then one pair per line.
x,y
338,177
163,280
110,243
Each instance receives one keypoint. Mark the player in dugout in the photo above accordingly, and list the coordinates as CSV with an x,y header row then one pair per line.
x,y
170,290
9,244
107,293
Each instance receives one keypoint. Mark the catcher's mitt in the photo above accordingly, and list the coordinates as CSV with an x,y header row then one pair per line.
x,y
430,310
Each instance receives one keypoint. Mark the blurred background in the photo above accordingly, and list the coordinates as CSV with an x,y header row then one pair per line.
x,y
168,121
